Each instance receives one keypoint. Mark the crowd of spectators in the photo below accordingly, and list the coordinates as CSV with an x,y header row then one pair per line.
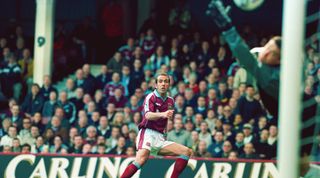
x,y
218,112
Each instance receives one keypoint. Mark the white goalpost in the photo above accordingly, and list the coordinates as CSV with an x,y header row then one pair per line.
x,y
292,55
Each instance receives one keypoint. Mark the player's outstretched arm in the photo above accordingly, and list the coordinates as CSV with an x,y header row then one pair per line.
x,y
219,14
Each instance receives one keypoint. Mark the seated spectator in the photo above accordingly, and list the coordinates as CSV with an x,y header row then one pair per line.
x,y
227,114
79,82
198,119
190,99
179,134
202,151
138,53
216,147
159,58
226,129
233,103
263,149
59,112
249,152
223,93
116,62
6,123
69,88
189,126
73,131
91,138
185,56
192,82
58,129
50,105
82,125
201,106
76,148
11,78
174,70
48,136
237,125
103,78
37,121
248,107
38,146
113,139
226,149
47,88
273,140
194,140
205,134
239,143
118,120
25,131
87,149
99,100
16,145
131,141
78,99
6,149
189,114
68,107
26,149
110,87
233,155
15,115
26,64
248,135
179,104
90,107
111,111
169,126
101,150
133,104
211,119
212,100
94,119
125,132
58,146
120,149
203,56
7,110
127,49
104,128
261,125
136,119
8,139
119,100
33,101
139,93
149,43
5,54
89,80
131,151
101,140
137,72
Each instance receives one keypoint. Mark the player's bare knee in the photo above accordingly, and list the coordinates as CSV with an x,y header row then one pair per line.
x,y
190,152
142,159
187,151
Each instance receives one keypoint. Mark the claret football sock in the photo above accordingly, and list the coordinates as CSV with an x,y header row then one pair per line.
x,y
131,170
179,166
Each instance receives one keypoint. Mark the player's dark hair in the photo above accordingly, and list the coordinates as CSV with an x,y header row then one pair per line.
x,y
161,74
277,40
